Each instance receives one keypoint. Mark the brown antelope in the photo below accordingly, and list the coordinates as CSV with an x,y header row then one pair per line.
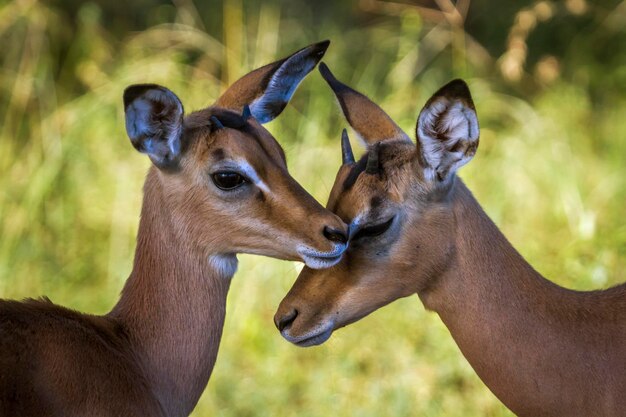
x,y
414,227
218,186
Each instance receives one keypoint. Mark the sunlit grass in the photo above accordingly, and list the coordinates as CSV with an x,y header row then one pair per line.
x,y
549,170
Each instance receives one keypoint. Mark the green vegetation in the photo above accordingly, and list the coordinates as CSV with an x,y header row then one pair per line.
x,y
549,82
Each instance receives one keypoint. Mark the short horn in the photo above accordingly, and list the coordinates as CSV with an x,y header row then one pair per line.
x,y
216,122
347,156
246,112
373,166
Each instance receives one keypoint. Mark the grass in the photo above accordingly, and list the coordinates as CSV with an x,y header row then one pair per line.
x,y
550,171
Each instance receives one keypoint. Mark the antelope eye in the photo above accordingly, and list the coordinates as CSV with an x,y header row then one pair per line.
x,y
375,230
228,180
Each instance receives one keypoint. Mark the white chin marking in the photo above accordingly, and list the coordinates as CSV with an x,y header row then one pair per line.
x,y
319,260
316,336
224,264
320,263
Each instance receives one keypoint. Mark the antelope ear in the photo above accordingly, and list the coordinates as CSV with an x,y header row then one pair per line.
x,y
268,89
368,120
154,122
447,131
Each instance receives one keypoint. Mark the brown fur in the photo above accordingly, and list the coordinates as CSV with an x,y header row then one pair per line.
x,y
153,354
53,360
543,350
363,115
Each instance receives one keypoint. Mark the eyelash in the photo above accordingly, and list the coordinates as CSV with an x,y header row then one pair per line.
x,y
372,231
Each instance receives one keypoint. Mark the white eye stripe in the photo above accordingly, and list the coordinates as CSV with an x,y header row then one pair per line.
x,y
247,170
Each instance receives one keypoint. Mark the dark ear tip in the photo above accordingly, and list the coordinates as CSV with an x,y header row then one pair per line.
x,y
135,90
317,50
458,84
336,85
322,46
456,89
325,71
131,93
329,77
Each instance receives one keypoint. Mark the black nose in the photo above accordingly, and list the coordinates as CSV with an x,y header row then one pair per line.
x,y
335,235
285,320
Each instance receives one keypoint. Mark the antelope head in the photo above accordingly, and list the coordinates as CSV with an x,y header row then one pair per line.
x,y
396,200
222,177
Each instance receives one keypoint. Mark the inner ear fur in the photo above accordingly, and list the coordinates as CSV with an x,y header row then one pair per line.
x,y
447,131
268,89
154,122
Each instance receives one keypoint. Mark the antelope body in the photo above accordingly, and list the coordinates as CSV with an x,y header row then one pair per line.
x,y
415,228
218,186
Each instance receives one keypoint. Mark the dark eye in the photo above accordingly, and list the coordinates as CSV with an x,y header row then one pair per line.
x,y
228,180
371,231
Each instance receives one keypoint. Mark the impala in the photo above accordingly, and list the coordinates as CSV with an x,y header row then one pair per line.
x,y
218,186
415,228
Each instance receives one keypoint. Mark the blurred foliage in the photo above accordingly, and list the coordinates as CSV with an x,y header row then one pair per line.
x,y
549,82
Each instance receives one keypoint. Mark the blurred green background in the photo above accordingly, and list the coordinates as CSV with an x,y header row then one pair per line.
x,y
549,82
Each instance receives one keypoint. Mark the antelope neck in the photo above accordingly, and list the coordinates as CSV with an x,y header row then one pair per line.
x,y
521,333
485,268
172,307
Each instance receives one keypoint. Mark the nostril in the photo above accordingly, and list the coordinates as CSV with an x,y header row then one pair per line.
x,y
286,320
335,235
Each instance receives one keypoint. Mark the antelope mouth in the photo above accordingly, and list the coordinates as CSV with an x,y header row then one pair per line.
x,y
312,338
320,260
